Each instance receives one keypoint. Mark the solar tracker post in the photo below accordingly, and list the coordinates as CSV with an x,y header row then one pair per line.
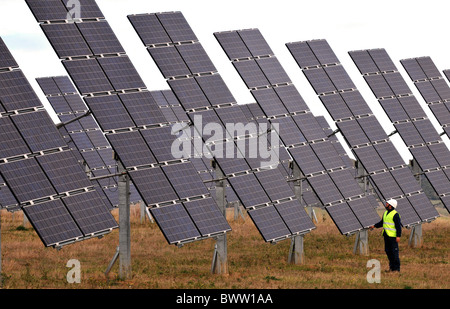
x,y
220,260
415,238
362,243
296,252
124,225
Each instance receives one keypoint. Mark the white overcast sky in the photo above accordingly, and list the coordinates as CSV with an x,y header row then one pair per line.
x,y
405,28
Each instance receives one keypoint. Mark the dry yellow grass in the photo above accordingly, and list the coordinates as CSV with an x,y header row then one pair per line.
x,y
253,264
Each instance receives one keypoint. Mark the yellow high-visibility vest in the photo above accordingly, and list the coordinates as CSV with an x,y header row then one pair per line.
x,y
388,223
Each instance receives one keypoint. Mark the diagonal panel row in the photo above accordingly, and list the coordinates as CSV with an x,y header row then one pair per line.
x,y
41,172
362,131
84,134
432,86
129,115
203,94
307,143
407,116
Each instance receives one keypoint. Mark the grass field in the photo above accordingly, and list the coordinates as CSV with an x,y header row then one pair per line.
x,y
253,264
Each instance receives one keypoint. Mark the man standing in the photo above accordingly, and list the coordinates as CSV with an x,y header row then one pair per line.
x,y
392,231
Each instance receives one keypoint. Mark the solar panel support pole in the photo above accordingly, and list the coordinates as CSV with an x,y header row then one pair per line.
x,y
298,190
362,242
124,225
415,238
220,259
296,252
123,252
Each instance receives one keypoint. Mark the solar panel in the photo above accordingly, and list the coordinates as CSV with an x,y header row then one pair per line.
x,y
186,186
354,134
270,101
344,218
131,148
303,125
63,171
48,10
12,142
249,190
176,27
206,217
169,61
189,93
294,216
7,199
114,116
100,38
141,107
90,217
88,76
6,59
269,223
195,58
121,73
52,222
27,180
149,29
416,130
175,223
16,92
275,189
38,131
66,40
213,90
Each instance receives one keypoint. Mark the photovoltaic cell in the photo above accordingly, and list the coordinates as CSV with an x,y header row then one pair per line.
x,y
181,178
325,189
273,70
27,179
196,58
269,223
291,98
12,142
294,216
249,190
16,92
142,108
270,102
100,38
251,73
176,27
88,76
149,29
52,222
63,171
48,10
270,180
6,59
206,216
233,45
156,191
131,148
169,61
344,218
160,141
121,72
90,217
189,93
175,223
66,40
109,112
215,89
38,130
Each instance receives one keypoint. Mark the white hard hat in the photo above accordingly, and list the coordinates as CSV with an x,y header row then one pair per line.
x,y
392,202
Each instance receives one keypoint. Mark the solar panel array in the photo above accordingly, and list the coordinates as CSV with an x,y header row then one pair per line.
x,y
432,86
326,172
85,136
362,131
194,80
408,118
40,171
132,120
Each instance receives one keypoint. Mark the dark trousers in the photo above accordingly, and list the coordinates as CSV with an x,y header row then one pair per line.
x,y
391,248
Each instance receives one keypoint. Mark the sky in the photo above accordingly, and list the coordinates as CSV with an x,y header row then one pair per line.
x,y
405,28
